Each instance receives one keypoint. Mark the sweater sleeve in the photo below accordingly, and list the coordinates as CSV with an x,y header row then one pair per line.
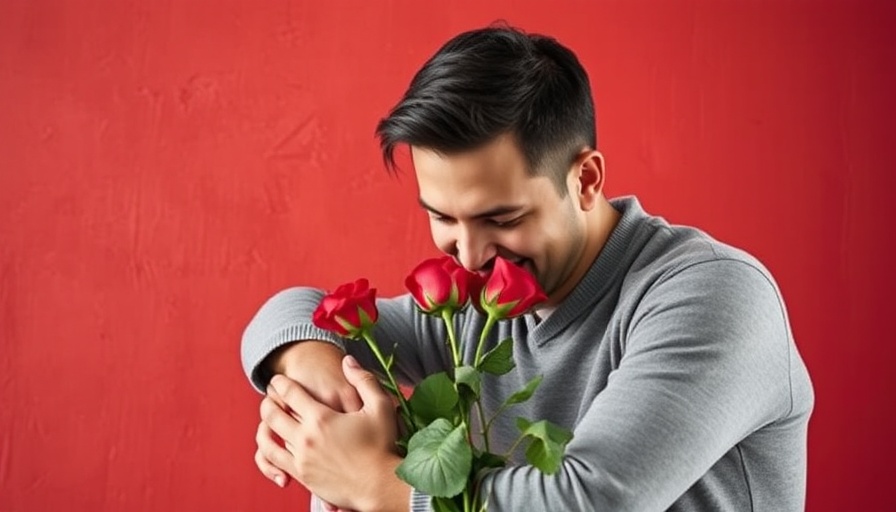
x,y
284,318
704,363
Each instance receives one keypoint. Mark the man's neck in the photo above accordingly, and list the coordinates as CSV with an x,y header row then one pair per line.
x,y
601,220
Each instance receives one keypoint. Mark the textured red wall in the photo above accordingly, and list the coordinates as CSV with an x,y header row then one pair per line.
x,y
166,166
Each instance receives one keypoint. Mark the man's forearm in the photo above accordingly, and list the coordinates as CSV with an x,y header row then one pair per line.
x,y
278,324
304,352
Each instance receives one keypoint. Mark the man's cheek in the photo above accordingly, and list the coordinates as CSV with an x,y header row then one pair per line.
x,y
517,246
443,243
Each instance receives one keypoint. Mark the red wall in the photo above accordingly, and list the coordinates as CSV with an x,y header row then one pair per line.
x,y
166,166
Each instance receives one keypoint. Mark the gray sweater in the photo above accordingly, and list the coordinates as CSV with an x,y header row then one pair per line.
x,y
672,361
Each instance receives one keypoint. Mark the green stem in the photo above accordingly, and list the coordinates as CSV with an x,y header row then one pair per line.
x,y
483,425
500,410
468,501
513,446
371,342
448,318
489,323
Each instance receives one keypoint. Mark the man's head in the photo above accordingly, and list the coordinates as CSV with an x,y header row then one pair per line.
x,y
496,81
501,130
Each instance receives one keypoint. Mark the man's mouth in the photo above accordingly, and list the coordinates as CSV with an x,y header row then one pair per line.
x,y
525,263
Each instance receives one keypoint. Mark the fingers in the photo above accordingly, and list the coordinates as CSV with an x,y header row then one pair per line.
x,y
295,397
349,400
267,444
369,389
317,367
287,427
274,413
282,412
278,400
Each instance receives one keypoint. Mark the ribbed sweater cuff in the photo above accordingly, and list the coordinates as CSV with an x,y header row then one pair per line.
x,y
419,502
281,337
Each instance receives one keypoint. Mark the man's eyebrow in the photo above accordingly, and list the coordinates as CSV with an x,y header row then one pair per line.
x,y
492,212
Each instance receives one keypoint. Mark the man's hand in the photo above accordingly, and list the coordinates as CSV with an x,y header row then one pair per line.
x,y
317,366
347,459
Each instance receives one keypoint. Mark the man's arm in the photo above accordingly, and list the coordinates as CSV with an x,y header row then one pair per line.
x,y
281,339
316,365
269,341
706,363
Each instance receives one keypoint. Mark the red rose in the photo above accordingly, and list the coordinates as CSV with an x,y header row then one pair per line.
x,y
477,283
439,284
510,291
348,311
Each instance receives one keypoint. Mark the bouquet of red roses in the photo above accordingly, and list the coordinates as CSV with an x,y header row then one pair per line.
x,y
442,458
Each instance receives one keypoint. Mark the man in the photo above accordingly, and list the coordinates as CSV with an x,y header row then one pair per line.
x,y
667,353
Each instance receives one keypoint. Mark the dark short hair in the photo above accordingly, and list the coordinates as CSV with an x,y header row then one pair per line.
x,y
495,81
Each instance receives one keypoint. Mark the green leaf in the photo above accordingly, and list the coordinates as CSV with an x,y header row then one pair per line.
x,y
525,393
391,359
547,443
468,377
435,397
388,386
498,360
439,460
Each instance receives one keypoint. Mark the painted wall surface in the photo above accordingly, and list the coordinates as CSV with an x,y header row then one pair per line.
x,y
165,166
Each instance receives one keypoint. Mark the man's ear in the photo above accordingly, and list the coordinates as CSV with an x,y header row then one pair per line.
x,y
589,175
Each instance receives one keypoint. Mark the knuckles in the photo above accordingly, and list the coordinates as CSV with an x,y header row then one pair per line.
x,y
268,410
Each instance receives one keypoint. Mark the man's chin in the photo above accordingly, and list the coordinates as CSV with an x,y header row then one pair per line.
x,y
527,265
530,267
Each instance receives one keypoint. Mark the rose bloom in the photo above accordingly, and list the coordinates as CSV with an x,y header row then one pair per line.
x,y
510,290
349,311
441,283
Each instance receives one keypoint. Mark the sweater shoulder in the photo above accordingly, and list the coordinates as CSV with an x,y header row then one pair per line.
x,y
669,250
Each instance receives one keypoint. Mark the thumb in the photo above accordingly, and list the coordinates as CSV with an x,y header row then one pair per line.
x,y
366,383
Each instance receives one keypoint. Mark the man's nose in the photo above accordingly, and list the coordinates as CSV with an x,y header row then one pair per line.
x,y
474,251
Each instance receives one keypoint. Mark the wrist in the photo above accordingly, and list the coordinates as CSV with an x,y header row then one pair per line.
x,y
389,493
